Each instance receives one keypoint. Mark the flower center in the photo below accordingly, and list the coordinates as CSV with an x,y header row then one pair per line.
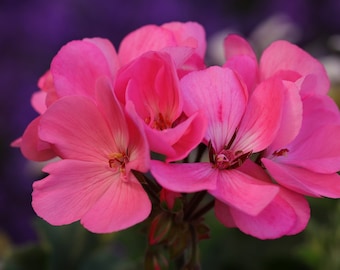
x,y
117,161
159,122
227,159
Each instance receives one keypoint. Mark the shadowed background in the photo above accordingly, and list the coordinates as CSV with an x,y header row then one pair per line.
x,y
31,33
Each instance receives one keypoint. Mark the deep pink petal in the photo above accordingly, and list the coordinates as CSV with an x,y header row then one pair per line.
x,y
32,146
274,221
304,181
291,120
188,177
177,142
138,147
153,87
319,152
246,67
243,192
318,112
301,207
117,121
146,38
282,55
191,137
220,94
79,64
92,193
79,131
38,101
223,214
189,34
70,190
235,45
241,58
109,51
124,204
261,120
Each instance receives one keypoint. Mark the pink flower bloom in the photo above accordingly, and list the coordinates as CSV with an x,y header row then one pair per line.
x,y
176,38
74,71
99,146
236,128
287,214
151,84
31,146
282,59
309,164
78,65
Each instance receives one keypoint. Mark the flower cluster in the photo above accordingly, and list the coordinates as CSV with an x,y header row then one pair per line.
x,y
149,129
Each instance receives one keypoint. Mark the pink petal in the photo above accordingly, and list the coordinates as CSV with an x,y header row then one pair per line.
x,y
124,204
304,181
176,143
243,192
279,218
113,114
189,34
122,126
32,146
223,214
92,193
38,101
146,38
246,67
70,190
235,45
79,131
318,112
109,51
282,55
261,120
138,147
319,152
291,120
241,58
220,94
156,88
301,208
188,177
79,64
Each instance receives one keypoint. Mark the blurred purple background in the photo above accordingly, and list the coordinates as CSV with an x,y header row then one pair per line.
x,y
31,33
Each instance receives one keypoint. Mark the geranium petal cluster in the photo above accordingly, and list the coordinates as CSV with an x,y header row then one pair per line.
x,y
268,126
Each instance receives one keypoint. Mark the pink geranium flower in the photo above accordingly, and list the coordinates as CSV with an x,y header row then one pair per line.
x,y
176,38
282,59
236,128
151,84
309,163
74,71
287,214
99,146
78,65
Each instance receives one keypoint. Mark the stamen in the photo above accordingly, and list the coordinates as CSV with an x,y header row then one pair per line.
x,y
158,122
118,161
281,152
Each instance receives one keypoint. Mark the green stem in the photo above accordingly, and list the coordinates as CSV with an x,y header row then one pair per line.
x,y
194,260
194,202
203,210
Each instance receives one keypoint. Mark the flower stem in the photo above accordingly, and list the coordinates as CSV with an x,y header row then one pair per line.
x,y
194,202
203,210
